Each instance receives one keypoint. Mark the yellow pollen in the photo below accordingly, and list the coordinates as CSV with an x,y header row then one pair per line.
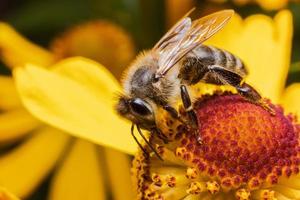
x,y
265,195
171,181
157,180
212,186
242,194
254,183
196,188
180,151
191,173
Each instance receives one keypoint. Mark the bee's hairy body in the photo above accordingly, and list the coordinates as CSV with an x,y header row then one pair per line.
x,y
192,69
161,76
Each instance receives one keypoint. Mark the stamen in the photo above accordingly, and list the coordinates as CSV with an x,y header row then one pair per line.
x,y
196,187
264,194
212,186
242,194
191,173
171,181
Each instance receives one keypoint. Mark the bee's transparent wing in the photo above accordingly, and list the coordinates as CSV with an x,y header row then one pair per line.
x,y
199,31
176,33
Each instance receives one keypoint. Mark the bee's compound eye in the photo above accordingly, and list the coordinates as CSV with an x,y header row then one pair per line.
x,y
140,107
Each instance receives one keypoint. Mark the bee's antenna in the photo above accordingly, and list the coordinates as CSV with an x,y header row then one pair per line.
x,y
148,143
136,140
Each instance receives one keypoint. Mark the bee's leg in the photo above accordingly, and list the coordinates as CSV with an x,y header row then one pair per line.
x,y
187,104
252,95
173,112
244,89
147,142
160,135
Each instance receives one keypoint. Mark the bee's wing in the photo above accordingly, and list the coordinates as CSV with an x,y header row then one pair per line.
x,y
199,31
176,33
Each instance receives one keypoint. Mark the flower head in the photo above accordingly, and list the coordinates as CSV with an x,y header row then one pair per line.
x,y
246,152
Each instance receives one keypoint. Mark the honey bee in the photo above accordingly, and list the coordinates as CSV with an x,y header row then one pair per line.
x,y
162,75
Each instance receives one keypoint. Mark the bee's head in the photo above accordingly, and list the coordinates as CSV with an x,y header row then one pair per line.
x,y
136,110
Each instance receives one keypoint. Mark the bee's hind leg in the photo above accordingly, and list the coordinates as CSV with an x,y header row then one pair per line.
x,y
244,89
252,95
187,104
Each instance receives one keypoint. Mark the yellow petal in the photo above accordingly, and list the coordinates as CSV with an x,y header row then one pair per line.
x,y
79,103
8,95
6,195
16,50
291,99
90,75
280,196
272,4
15,124
118,166
24,168
80,175
288,192
264,44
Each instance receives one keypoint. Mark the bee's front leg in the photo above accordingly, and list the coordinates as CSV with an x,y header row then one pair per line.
x,y
172,111
160,135
187,104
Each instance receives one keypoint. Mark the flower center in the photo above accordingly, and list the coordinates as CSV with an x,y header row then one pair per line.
x,y
246,153
243,143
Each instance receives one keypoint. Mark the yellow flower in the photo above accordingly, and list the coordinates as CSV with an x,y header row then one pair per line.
x,y
6,195
246,154
84,168
69,98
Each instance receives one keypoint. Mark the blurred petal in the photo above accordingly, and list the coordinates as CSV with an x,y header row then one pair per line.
x,y
6,195
16,50
23,169
291,99
99,40
288,192
15,124
8,95
264,45
272,4
118,166
80,175
175,9
79,101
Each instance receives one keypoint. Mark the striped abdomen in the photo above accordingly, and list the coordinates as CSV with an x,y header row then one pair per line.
x,y
206,64
209,55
